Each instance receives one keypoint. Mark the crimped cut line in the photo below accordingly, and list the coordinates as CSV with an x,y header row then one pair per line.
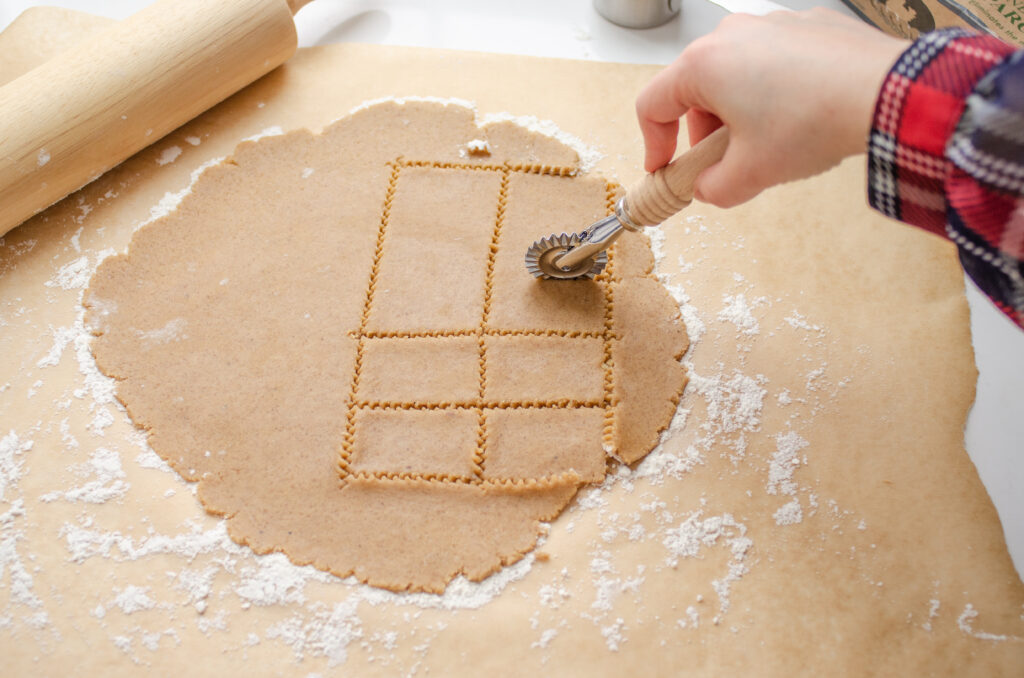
x,y
348,441
490,332
499,221
411,475
349,438
409,478
480,451
560,404
567,334
611,192
555,480
449,165
551,170
608,432
523,168
480,454
609,428
415,334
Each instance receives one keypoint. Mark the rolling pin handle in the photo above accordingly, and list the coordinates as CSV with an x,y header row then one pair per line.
x,y
126,86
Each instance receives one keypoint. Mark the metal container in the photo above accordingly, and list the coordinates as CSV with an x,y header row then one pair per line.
x,y
637,13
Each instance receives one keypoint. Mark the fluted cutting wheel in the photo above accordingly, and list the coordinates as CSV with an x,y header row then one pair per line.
x,y
540,259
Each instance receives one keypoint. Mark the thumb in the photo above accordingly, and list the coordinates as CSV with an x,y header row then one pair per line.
x,y
730,181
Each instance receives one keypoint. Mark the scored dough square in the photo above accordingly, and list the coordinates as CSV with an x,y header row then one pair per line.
x,y
429,281
539,205
420,369
415,441
545,368
538,442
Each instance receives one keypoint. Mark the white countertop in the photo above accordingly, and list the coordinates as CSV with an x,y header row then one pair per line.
x,y
572,29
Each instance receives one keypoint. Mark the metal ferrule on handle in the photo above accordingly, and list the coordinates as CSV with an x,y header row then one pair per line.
x,y
595,240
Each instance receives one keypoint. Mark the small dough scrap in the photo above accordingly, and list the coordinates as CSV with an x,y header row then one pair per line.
x,y
353,362
478,147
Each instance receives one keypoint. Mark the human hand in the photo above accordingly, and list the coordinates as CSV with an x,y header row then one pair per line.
x,y
796,89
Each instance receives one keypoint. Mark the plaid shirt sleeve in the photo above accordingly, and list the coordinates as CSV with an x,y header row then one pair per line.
x,y
946,153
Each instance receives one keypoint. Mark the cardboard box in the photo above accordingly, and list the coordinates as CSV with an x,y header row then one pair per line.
x,y
909,18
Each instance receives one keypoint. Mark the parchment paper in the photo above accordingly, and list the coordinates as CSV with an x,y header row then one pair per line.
x,y
813,511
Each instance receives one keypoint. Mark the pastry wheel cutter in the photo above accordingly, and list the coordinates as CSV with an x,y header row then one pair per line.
x,y
649,202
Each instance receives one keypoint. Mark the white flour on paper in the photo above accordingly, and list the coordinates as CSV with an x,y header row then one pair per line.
x,y
23,601
72,275
965,622
168,155
695,533
105,465
738,311
784,462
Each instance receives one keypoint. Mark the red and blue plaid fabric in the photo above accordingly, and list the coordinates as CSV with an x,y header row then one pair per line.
x,y
946,153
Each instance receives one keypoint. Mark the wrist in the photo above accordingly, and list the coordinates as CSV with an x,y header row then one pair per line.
x,y
872,71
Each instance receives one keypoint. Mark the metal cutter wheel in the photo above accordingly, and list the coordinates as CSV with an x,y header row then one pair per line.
x,y
540,258
654,199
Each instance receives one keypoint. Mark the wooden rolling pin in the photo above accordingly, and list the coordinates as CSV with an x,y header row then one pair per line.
x,y
69,120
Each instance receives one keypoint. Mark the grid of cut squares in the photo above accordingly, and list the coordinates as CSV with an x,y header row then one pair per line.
x,y
453,381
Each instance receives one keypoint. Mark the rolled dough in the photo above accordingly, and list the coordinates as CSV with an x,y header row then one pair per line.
x,y
335,335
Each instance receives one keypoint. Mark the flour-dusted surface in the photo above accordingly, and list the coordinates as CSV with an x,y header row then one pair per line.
x,y
862,355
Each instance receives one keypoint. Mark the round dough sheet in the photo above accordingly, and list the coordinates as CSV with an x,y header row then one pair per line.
x,y
336,337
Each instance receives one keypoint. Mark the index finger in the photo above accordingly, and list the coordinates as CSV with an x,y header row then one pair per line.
x,y
659,106
659,123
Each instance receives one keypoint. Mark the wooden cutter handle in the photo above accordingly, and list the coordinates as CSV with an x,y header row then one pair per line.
x,y
72,118
658,196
